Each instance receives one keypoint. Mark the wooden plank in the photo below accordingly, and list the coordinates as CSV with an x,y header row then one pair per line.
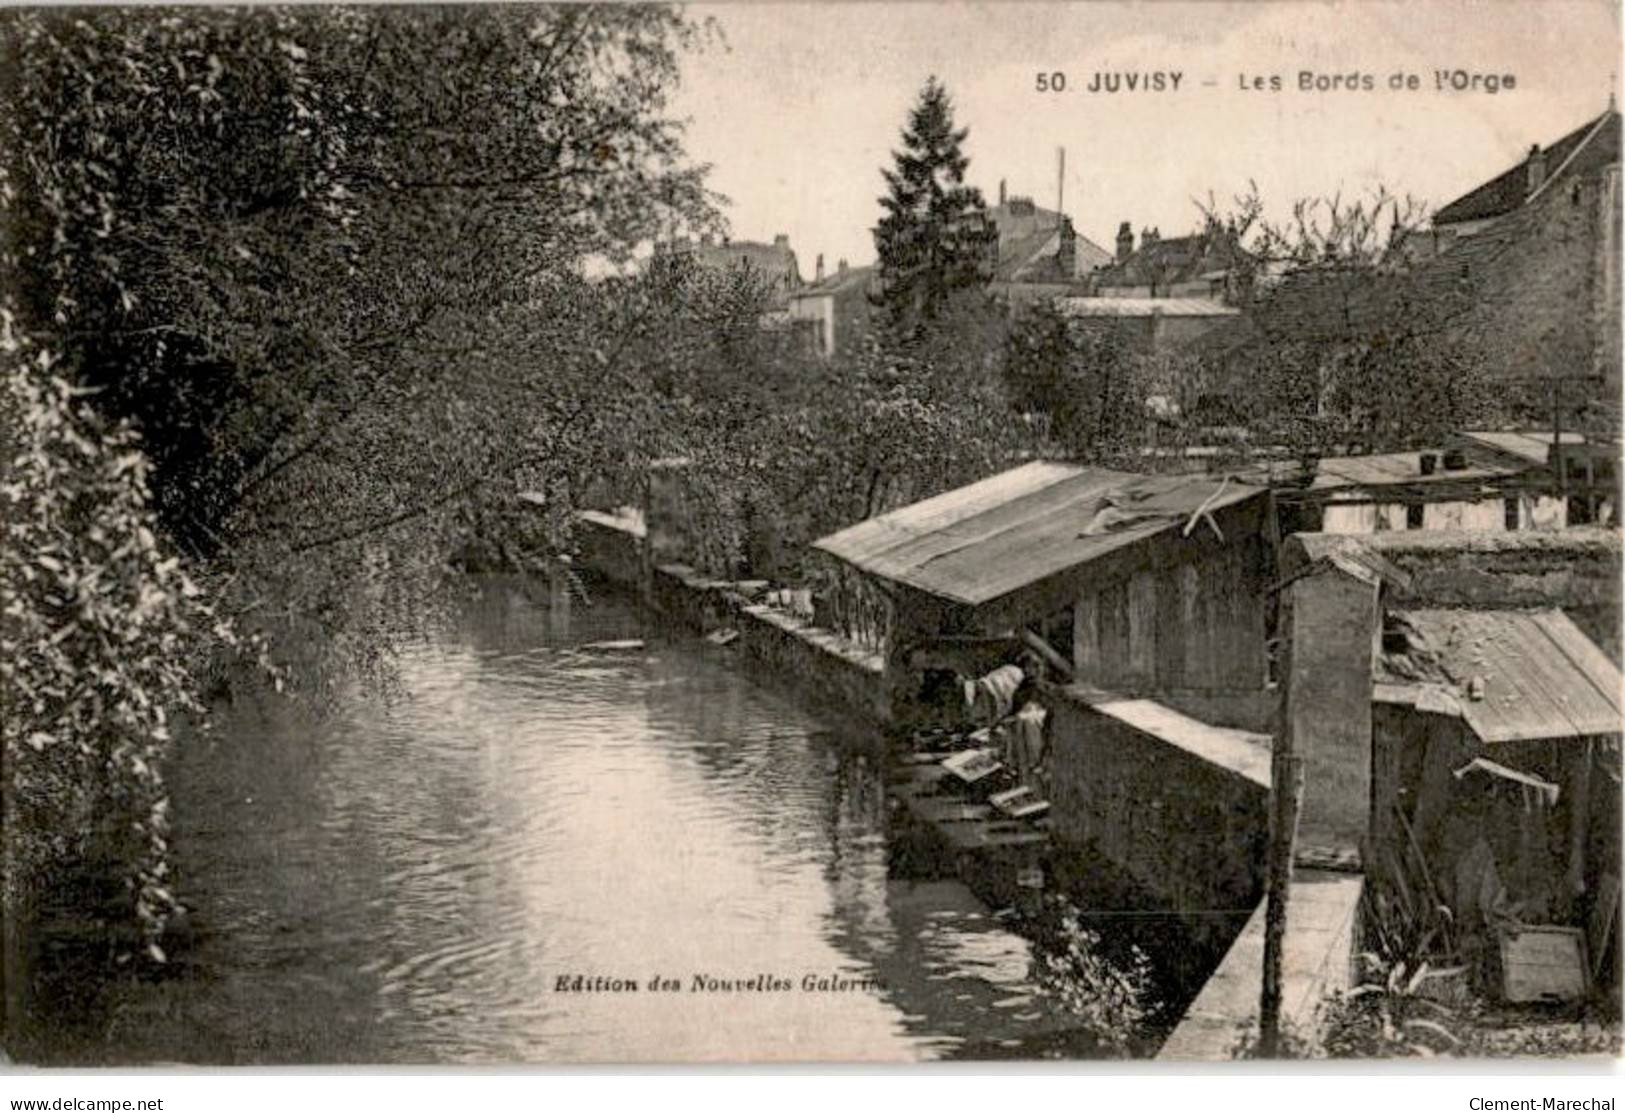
x,y
1086,636
1197,672
1600,924
1544,964
1142,627
1113,602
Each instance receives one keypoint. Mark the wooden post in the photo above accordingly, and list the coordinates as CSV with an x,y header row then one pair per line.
x,y
1286,798
1286,801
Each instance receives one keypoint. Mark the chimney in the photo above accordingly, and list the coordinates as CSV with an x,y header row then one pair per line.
x,y
1125,241
840,268
781,241
818,268
1001,191
1067,254
1537,167
1149,236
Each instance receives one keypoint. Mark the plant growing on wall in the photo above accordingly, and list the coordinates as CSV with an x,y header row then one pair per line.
x,y
1111,996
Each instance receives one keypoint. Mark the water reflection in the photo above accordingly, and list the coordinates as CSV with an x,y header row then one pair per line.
x,y
409,881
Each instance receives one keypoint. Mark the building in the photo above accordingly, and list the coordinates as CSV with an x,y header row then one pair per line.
x,y
1436,489
1459,724
1206,264
1580,472
1532,259
1149,324
834,310
1040,253
1583,152
1524,290
1141,584
775,262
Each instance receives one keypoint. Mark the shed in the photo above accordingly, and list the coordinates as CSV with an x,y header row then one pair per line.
x,y
1496,760
1162,577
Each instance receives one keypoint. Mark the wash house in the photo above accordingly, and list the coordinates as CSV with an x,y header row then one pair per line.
x,y
1138,584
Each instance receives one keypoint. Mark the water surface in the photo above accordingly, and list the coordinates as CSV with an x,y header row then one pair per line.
x,y
408,880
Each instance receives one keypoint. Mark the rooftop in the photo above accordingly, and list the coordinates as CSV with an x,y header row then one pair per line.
x,y
1513,675
1395,467
839,282
1533,445
1164,262
1595,142
1146,307
983,541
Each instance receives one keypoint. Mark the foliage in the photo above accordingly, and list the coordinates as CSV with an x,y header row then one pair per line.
x,y
877,426
1111,995
1089,381
1346,345
329,266
1388,1015
329,262
934,238
101,627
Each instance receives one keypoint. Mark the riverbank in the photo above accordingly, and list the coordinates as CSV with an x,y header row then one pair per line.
x,y
1176,808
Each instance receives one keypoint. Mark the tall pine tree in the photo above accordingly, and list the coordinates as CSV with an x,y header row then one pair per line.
x,y
934,238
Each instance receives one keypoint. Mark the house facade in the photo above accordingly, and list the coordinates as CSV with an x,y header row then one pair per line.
x,y
834,310
1040,253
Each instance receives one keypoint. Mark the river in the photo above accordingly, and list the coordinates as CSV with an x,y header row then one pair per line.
x,y
419,878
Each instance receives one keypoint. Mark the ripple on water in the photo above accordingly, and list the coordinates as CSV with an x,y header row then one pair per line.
x,y
414,877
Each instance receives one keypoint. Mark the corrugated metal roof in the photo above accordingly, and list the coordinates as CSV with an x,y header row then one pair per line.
x,y
983,541
1146,307
1540,677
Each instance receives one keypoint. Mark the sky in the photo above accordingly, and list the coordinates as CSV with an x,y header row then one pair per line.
x,y
801,108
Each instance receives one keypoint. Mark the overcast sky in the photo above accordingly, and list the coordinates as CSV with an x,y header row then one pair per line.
x,y
803,106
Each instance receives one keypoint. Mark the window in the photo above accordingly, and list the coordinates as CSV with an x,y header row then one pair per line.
x,y
1512,519
1413,515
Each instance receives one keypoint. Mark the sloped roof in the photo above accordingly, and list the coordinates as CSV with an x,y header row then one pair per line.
x,y
1536,674
1164,262
1533,445
1594,143
1387,468
1036,258
988,539
1146,307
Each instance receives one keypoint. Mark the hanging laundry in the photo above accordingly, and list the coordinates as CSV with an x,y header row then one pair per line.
x,y
988,698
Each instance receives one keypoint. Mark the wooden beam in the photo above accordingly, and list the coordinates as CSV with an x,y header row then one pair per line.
x,y
1047,652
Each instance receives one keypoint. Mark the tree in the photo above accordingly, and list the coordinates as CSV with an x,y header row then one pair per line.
x,y
1346,346
934,238
287,290
1087,380
327,260
101,628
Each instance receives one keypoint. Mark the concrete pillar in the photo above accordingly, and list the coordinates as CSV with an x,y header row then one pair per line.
x,y
1330,623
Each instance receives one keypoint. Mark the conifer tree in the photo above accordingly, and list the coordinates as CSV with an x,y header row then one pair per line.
x,y
934,238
